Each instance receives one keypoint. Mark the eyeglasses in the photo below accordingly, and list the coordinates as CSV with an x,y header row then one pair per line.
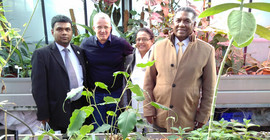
x,y
142,39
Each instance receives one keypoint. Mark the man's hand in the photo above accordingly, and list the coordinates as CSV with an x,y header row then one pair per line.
x,y
198,125
150,119
44,121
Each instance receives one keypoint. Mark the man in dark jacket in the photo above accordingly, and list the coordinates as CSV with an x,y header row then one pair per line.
x,y
56,69
106,54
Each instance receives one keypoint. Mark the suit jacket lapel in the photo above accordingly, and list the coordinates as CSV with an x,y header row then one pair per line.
x,y
80,57
57,56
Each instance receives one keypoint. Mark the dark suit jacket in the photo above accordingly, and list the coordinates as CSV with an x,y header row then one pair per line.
x,y
50,84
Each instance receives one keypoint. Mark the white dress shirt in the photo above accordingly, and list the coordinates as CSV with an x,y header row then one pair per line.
x,y
75,63
184,47
137,76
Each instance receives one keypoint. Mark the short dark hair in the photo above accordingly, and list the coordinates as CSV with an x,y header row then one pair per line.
x,y
189,10
148,31
60,18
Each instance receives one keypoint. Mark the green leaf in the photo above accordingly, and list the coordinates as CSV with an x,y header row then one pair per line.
x,y
242,26
116,15
159,106
141,123
76,121
103,128
101,85
3,19
111,113
51,131
3,61
175,129
243,45
136,90
133,12
109,100
86,129
218,9
73,92
263,32
173,137
89,29
143,65
126,122
91,23
121,72
41,137
88,110
87,93
258,5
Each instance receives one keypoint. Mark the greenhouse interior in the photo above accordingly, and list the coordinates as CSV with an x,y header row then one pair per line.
x,y
130,84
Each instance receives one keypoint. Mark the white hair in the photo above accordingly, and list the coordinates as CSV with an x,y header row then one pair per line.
x,y
101,15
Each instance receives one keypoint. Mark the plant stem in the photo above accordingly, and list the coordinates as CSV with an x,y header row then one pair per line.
x,y
216,87
33,134
26,27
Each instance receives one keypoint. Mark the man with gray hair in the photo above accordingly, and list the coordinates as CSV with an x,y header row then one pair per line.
x,y
182,77
105,54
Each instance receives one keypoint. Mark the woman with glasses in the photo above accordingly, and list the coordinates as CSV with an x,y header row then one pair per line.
x,y
141,54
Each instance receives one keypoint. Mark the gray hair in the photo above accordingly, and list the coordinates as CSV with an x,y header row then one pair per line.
x,y
189,10
101,15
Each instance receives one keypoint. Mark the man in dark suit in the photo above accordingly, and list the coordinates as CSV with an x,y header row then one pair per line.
x,y
56,69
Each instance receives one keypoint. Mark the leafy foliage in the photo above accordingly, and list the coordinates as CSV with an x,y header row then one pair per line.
x,y
126,122
242,26
76,121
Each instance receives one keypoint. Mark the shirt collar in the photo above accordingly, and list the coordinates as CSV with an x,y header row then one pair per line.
x,y
109,39
60,47
146,54
185,42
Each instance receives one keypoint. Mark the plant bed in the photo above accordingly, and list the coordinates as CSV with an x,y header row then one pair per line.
x,y
243,91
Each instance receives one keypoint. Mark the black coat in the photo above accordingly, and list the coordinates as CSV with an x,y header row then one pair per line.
x,y
50,84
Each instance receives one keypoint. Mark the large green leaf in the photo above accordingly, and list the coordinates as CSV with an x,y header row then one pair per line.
x,y
76,121
137,90
243,45
242,26
89,29
86,129
91,23
126,122
263,32
88,110
218,9
258,5
103,128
